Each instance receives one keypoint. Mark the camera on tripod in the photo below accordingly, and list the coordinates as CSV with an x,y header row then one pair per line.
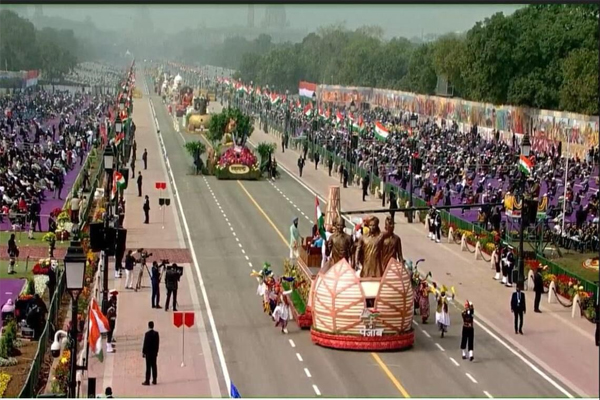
x,y
144,253
175,268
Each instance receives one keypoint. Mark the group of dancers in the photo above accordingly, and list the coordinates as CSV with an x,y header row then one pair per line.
x,y
276,301
422,289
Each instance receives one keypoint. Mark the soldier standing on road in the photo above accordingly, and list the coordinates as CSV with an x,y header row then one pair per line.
x,y
330,165
172,284
365,187
317,158
392,200
150,353
518,308
145,158
133,151
146,208
468,332
132,164
300,165
538,288
155,280
139,183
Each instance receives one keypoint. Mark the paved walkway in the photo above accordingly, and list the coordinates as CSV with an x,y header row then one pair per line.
x,y
562,346
124,369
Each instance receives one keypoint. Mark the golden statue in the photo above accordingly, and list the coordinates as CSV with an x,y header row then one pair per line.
x,y
339,245
392,244
369,250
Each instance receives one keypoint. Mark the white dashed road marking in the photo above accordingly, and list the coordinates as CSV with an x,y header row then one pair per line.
x,y
316,389
307,372
299,357
454,361
470,377
488,394
440,347
426,333
292,343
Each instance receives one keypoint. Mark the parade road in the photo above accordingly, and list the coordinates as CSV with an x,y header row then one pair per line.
x,y
235,227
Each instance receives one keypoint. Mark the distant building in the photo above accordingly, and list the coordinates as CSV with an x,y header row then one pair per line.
x,y
275,16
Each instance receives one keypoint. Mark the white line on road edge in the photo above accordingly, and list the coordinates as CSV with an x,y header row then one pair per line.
x,y
454,361
209,313
488,394
299,357
440,347
316,389
292,343
470,377
307,372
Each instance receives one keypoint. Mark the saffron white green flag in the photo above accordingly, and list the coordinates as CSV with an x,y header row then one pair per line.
x,y
320,219
98,325
275,99
380,132
526,165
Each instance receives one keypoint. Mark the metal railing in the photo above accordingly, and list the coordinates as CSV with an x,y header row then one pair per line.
x,y
29,389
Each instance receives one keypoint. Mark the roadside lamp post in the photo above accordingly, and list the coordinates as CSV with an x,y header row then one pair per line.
x,y
74,260
108,170
525,150
413,125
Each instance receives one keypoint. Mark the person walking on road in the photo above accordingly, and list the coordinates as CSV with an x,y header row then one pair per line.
x,y
468,333
294,239
317,158
133,151
330,165
139,183
150,353
132,164
145,158
442,315
300,165
146,208
538,288
518,308
365,187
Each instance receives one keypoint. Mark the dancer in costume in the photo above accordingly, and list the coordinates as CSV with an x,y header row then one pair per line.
x,y
468,333
442,317
266,284
282,311
423,294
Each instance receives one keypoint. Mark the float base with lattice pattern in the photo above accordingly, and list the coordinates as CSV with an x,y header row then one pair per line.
x,y
363,343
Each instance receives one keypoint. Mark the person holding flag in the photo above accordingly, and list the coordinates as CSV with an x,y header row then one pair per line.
x,y
98,324
324,234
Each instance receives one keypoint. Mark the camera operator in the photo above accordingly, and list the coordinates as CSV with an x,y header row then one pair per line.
x,y
155,280
129,265
172,282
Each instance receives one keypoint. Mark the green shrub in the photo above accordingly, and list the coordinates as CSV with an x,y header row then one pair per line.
x,y
30,286
7,342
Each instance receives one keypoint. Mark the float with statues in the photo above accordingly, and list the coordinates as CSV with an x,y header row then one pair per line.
x,y
361,296
197,117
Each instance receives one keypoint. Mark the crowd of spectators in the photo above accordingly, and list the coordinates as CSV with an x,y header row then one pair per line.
x,y
95,74
45,136
453,167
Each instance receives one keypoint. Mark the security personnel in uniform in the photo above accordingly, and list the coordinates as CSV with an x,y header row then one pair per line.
x,y
300,165
468,333
171,283
155,281
437,225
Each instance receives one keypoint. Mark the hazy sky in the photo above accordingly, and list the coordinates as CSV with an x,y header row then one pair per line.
x,y
396,20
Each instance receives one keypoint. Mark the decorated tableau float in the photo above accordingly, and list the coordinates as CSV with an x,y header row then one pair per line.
x,y
360,297
197,117
229,156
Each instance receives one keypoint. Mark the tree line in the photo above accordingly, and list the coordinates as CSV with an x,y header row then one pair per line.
x,y
541,56
23,47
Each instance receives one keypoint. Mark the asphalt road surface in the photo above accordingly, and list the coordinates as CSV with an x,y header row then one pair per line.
x,y
235,227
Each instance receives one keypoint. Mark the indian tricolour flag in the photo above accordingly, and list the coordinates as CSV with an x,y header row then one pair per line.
x,y
307,89
274,99
118,183
308,110
339,118
358,126
320,219
380,132
98,326
526,165
119,138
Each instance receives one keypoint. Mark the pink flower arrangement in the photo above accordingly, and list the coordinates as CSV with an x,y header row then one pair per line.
x,y
237,156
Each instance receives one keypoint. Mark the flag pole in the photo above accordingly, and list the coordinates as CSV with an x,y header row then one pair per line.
x,y
564,208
